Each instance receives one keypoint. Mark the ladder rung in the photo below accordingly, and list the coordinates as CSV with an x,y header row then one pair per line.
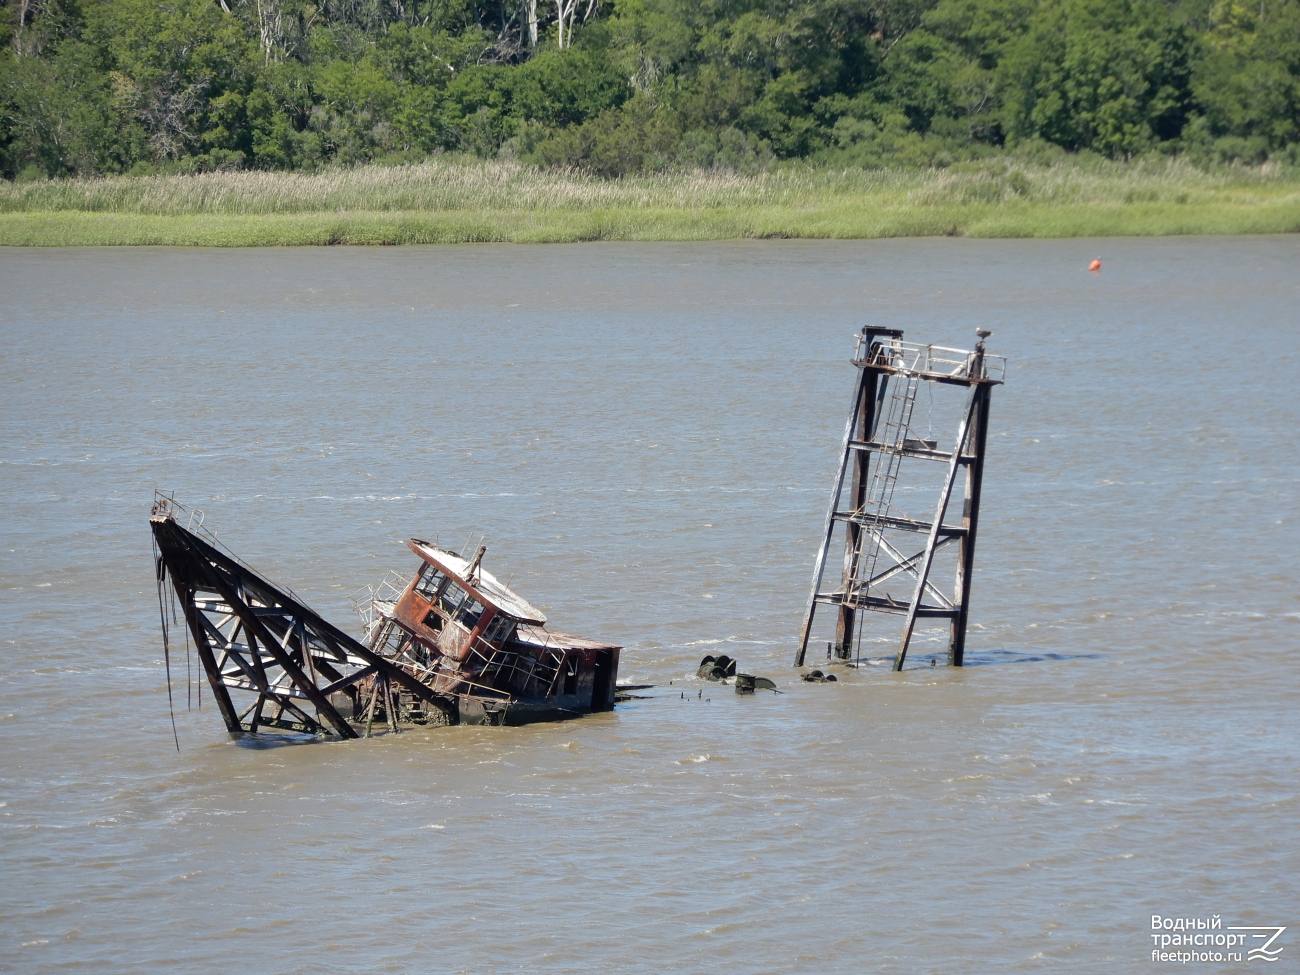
x,y
906,451
878,604
896,524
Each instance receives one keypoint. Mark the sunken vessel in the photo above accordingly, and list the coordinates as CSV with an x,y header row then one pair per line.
x,y
451,644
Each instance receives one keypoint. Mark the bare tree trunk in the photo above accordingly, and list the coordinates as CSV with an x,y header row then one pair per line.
x,y
261,32
270,26
566,11
22,22
566,21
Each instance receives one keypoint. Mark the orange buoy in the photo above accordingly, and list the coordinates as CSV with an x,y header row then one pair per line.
x,y
1095,266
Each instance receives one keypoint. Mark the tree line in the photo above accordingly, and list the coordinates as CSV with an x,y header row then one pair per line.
x,y
622,86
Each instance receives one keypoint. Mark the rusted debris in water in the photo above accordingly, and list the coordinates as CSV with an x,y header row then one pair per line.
x,y
817,677
453,645
723,669
717,668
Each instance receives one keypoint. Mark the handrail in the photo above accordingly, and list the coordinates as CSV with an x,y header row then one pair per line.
x,y
931,360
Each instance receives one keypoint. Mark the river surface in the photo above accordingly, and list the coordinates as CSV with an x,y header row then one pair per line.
x,y
646,434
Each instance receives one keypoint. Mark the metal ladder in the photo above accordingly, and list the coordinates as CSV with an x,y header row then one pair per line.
x,y
892,431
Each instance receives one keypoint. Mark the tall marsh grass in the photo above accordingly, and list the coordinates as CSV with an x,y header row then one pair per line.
x,y
447,199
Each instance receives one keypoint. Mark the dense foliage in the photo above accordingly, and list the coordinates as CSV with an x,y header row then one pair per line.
x,y
104,86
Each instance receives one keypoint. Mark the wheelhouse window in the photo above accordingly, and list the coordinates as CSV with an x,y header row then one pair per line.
x,y
450,599
470,611
459,606
499,630
430,582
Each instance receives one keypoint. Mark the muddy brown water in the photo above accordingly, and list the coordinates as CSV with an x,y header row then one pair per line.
x,y
646,434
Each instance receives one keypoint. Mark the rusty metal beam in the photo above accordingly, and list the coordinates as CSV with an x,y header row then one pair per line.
x,y
923,572
867,394
195,564
217,573
970,521
209,662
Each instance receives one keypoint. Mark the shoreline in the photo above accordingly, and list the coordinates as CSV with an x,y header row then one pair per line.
x,y
446,201
72,228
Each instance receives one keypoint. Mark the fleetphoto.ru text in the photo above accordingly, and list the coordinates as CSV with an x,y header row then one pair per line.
x,y
1197,939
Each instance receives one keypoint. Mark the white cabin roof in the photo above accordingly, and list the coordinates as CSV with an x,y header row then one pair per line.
x,y
484,583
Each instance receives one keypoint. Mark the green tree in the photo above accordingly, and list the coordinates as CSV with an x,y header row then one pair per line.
x,y
1108,75
93,86
58,116
1249,81
175,64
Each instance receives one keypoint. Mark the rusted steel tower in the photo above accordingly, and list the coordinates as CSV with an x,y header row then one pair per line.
x,y
877,535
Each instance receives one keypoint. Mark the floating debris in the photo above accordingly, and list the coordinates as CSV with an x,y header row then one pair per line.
x,y
817,677
748,684
717,668
623,692
453,645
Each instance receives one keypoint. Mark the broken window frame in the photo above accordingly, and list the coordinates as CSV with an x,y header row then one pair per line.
x,y
500,629
449,600
430,583
457,605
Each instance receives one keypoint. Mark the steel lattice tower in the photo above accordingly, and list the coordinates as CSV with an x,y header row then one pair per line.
x,y
877,535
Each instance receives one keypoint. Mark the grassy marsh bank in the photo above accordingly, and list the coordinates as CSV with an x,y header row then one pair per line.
x,y
451,201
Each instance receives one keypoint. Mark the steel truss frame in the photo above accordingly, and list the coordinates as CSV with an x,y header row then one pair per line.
x,y
878,427
252,636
